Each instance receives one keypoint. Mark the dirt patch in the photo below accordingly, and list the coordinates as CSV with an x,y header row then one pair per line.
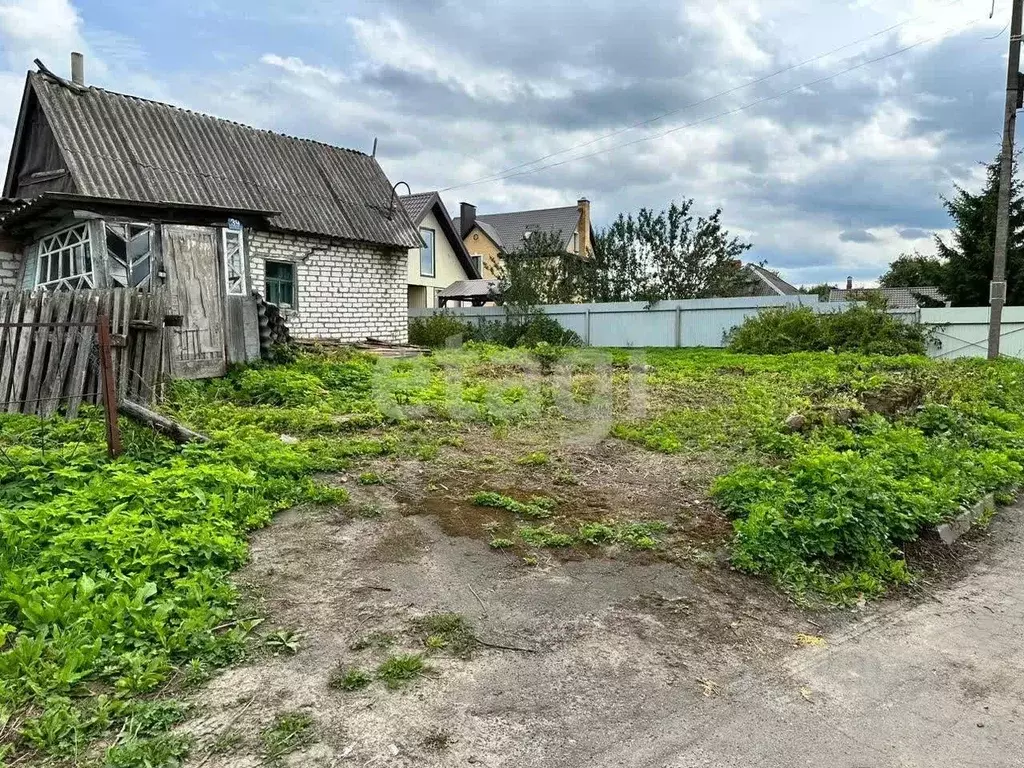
x,y
589,481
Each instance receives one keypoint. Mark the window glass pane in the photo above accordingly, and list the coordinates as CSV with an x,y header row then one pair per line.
x,y
427,253
280,283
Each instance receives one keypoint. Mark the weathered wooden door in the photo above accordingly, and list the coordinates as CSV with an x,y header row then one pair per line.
x,y
195,293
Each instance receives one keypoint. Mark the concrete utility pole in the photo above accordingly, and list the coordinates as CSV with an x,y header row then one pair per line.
x,y
997,291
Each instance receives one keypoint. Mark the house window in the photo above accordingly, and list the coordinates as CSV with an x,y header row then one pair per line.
x,y
477,260
130,254
65,260
427,253
281,283
234,262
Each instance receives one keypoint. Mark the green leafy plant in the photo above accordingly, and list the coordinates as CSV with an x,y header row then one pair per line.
x,y
536,507
501,543
545,536
283,640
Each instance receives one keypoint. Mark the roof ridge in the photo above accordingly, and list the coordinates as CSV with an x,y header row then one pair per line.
x,y
529,210
186,110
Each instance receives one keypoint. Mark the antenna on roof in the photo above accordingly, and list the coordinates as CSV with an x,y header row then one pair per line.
x,y
374,152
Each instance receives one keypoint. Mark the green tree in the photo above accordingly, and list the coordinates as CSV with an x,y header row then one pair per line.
x,y
541,271
667,255
822,290
969,252
912,270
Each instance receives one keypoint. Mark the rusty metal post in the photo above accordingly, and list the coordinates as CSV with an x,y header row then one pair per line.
x,y
108,386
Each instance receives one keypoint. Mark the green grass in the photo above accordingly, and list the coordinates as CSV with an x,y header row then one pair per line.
x,y
289,732
344,678
534,459
401,670
449,631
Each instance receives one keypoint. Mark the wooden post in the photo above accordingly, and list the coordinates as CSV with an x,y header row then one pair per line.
x,y
108,385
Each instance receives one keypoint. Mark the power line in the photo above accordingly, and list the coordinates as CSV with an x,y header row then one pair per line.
x,y
663,115
716,116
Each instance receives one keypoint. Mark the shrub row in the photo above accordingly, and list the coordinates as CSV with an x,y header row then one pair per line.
x,y
865,330
444,329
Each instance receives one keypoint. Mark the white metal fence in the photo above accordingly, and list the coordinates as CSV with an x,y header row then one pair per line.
x,y
957,331
684,323
963,331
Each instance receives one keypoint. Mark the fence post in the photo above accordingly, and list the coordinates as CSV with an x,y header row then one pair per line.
x,y
587,327
108,386
679,327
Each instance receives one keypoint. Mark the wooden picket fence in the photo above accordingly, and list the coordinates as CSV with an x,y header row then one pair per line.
x,y
49,356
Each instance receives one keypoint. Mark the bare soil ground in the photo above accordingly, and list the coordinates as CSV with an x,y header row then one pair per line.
x,y
583,651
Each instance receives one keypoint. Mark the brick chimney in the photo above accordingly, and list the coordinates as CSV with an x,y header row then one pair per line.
x,y
77,68
849,283
467,218
583,227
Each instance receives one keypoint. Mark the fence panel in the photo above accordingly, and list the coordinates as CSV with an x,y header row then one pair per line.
x,y
684,323
48,352
963,331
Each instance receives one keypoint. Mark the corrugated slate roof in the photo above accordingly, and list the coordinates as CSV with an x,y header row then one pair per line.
x,y
894,297
774,285
125,147
507,229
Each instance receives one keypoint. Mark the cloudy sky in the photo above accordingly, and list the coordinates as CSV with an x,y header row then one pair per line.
x,y
826,176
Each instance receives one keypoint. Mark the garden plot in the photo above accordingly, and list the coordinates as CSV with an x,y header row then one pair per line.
x,y
479,548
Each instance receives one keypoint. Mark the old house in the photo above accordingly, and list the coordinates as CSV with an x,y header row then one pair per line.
x,y
442,259
105,189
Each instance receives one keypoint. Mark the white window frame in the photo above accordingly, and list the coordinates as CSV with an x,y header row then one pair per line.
x,y
478,262
76,280
433,252
225,231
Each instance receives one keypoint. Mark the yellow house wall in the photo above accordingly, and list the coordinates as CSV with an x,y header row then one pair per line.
x,y
479,244
447,268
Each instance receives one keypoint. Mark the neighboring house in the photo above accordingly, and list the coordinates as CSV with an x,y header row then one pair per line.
x,y
110,190
765,282
442,259
488,238
895,298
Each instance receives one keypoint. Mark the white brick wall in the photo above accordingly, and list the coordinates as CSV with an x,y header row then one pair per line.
x,y
345,291
10,264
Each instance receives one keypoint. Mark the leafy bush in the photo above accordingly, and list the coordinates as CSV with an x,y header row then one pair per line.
x,y
279,386
436,330
867,330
